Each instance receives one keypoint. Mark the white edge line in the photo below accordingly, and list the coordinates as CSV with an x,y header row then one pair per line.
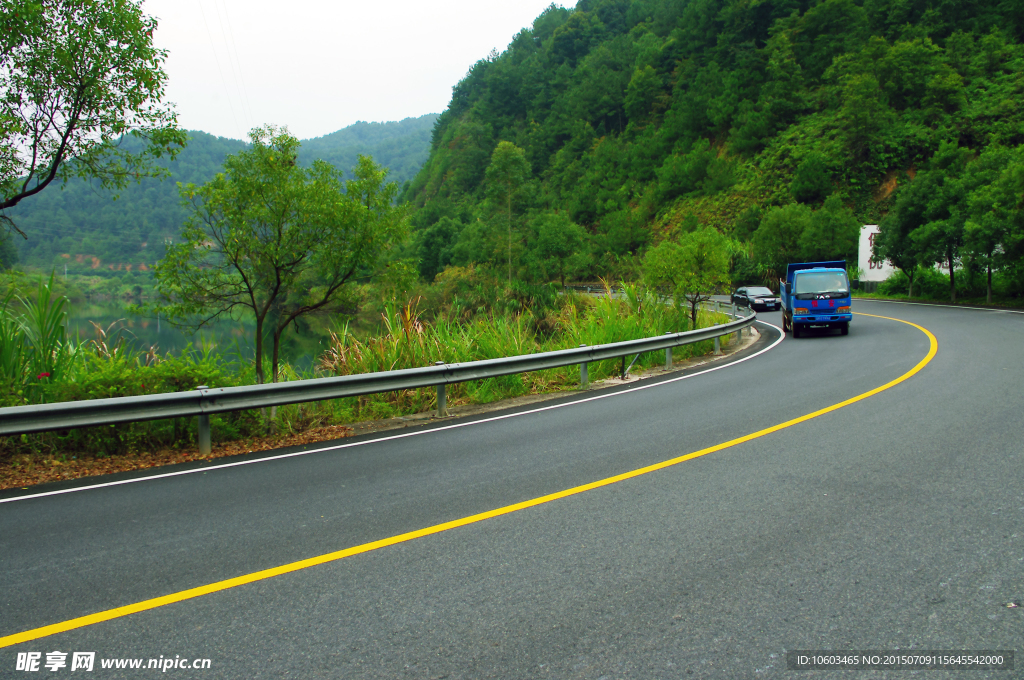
x,y
398,436
929,304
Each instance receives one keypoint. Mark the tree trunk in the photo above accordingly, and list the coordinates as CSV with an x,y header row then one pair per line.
x,y
510,236
259,350
988,292
275,353
952,275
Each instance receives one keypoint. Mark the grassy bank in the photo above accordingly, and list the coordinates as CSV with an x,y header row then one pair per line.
x,y
40,364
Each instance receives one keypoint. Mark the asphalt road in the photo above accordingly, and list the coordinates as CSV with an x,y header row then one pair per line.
x,y
895,522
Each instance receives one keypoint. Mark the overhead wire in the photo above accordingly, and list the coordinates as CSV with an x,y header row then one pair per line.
x,y
216,58
230,37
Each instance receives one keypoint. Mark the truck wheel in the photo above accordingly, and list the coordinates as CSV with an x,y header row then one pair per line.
x,y
796,330
844,329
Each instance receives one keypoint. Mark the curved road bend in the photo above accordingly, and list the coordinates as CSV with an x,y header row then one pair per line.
x,y
894,522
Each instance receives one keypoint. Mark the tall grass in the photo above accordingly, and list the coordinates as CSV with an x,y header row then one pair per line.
x,y
407,341
35,351
39,363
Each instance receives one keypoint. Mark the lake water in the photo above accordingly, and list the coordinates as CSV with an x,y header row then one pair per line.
x,y
231,338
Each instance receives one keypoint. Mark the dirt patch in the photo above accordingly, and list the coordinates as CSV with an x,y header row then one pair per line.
x,y
23,471
886,188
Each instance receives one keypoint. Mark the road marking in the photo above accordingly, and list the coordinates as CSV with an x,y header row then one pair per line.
x,y
192,593
417,433
950,306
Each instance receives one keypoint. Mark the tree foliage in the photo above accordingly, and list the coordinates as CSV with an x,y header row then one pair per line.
x,y
693,269
962,209
76,77
559,248
506,175
275,239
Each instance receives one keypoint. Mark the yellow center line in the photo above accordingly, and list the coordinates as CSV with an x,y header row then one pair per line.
x,y
191,593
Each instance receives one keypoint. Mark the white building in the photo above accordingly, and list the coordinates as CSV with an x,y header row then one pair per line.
x,y
869,269
880,271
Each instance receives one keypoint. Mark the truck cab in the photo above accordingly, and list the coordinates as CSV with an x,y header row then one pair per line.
x,y
816,295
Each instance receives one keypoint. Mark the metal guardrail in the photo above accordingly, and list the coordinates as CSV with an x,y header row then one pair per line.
x,y
593,288
203,402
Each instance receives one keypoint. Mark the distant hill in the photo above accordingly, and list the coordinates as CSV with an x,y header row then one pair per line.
x,y
84,227
401,146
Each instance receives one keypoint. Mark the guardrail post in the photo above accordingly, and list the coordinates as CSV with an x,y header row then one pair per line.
x,y
204,429
442,399
583,374
718,346
668,355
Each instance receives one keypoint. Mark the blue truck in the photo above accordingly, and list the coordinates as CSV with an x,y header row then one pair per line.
x,y
816,295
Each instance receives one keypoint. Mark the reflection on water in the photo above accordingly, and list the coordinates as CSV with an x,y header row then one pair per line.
x,y
231,338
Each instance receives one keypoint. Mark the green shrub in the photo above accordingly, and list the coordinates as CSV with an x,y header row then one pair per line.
x,y
497,322
929,284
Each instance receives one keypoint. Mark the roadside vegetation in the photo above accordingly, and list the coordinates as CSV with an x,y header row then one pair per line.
x,y
933,285
469,317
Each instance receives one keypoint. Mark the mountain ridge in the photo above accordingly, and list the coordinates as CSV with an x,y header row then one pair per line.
x,y
84,227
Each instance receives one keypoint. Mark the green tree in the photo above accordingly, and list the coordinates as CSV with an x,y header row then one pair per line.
x,y
812,181
983,240
643,89
864,114
435,246
895,241
693,268
8,252
993,211
76,77
779,239
1011,191
275,239
506,175
833,232
944,189
560,244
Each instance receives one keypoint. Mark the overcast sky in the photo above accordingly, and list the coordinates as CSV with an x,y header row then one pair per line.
x,y
318,66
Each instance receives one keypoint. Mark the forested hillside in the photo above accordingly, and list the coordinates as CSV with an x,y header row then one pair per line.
x,y
783,124
86,223
83,226
401,146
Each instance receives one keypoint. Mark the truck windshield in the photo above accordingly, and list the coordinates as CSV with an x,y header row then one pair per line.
x,y
832,283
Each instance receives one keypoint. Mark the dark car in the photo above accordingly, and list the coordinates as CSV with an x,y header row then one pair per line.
x,y
756,297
